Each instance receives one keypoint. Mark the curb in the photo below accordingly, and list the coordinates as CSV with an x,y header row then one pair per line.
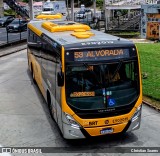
x,y
13,51
151,106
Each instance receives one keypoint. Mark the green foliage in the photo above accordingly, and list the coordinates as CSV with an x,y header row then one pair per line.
x,y
150,66
123,12
99,3
26,1
9,12
87,3
120,12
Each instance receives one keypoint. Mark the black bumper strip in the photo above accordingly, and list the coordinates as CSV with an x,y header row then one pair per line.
x,y
87,135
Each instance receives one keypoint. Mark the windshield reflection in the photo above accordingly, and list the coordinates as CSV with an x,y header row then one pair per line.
x,y
102,86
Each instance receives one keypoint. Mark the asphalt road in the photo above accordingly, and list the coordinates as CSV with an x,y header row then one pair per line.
x,y
13,36
25,120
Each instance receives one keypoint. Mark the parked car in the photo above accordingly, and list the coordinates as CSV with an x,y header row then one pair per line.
x,y
81,15
4,21
87,10
17,25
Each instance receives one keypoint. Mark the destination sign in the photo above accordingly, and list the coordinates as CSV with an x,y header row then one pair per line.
x,y
82,94
103,54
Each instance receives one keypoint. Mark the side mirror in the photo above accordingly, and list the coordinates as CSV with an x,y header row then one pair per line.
x,y
60,79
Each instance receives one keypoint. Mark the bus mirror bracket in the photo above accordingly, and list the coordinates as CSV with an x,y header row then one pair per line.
x,y
60,78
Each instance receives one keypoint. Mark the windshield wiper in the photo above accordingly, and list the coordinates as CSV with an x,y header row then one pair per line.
x,y
117,69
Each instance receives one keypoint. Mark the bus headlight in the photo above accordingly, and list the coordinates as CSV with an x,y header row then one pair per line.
x,y
137,113
70,120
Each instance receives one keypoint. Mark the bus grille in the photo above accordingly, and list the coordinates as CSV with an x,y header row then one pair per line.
x,y
84,114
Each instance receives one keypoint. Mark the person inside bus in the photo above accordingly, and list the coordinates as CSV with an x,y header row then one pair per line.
x,y
112,78
78,83
110,74
116,76
82,82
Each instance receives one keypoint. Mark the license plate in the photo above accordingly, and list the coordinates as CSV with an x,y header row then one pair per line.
x,y
106,131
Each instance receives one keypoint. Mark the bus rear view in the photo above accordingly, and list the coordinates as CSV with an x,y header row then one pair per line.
x,y
103,88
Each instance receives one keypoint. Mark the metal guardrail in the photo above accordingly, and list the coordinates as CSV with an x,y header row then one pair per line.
x,y
9,38
130,2
125,22
15,42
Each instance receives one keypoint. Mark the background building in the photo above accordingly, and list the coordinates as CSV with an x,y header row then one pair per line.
x,y
150,21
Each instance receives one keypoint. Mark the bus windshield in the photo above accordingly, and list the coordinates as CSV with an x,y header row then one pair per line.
x,y
101,86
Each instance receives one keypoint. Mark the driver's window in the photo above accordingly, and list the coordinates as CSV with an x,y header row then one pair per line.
x,y
130,71
111,73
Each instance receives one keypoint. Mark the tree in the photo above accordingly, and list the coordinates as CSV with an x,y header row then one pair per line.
x,y
26,1
99,3
87,3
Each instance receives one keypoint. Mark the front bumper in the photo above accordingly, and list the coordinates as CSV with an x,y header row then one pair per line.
x,y
70,132
73,132
135,121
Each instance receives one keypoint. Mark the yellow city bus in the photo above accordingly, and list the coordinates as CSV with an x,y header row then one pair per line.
x,y
90,80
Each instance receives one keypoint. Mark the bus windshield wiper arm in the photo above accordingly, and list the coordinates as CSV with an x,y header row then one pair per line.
x,y
117,69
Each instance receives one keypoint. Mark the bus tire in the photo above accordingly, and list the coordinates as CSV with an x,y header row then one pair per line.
x,y
33,75
49,104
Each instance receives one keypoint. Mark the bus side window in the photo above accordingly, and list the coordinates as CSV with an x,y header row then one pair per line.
x,y
29,35
51,67
34,45
129,71
33,37
44,55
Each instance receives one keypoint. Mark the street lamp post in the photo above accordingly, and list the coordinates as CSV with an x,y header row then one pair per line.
x,y
68,15
94,5
31,9
72,10
7,36
20,29
118,15
118,21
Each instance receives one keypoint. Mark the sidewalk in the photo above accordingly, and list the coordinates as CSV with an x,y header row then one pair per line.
x,y
12,49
